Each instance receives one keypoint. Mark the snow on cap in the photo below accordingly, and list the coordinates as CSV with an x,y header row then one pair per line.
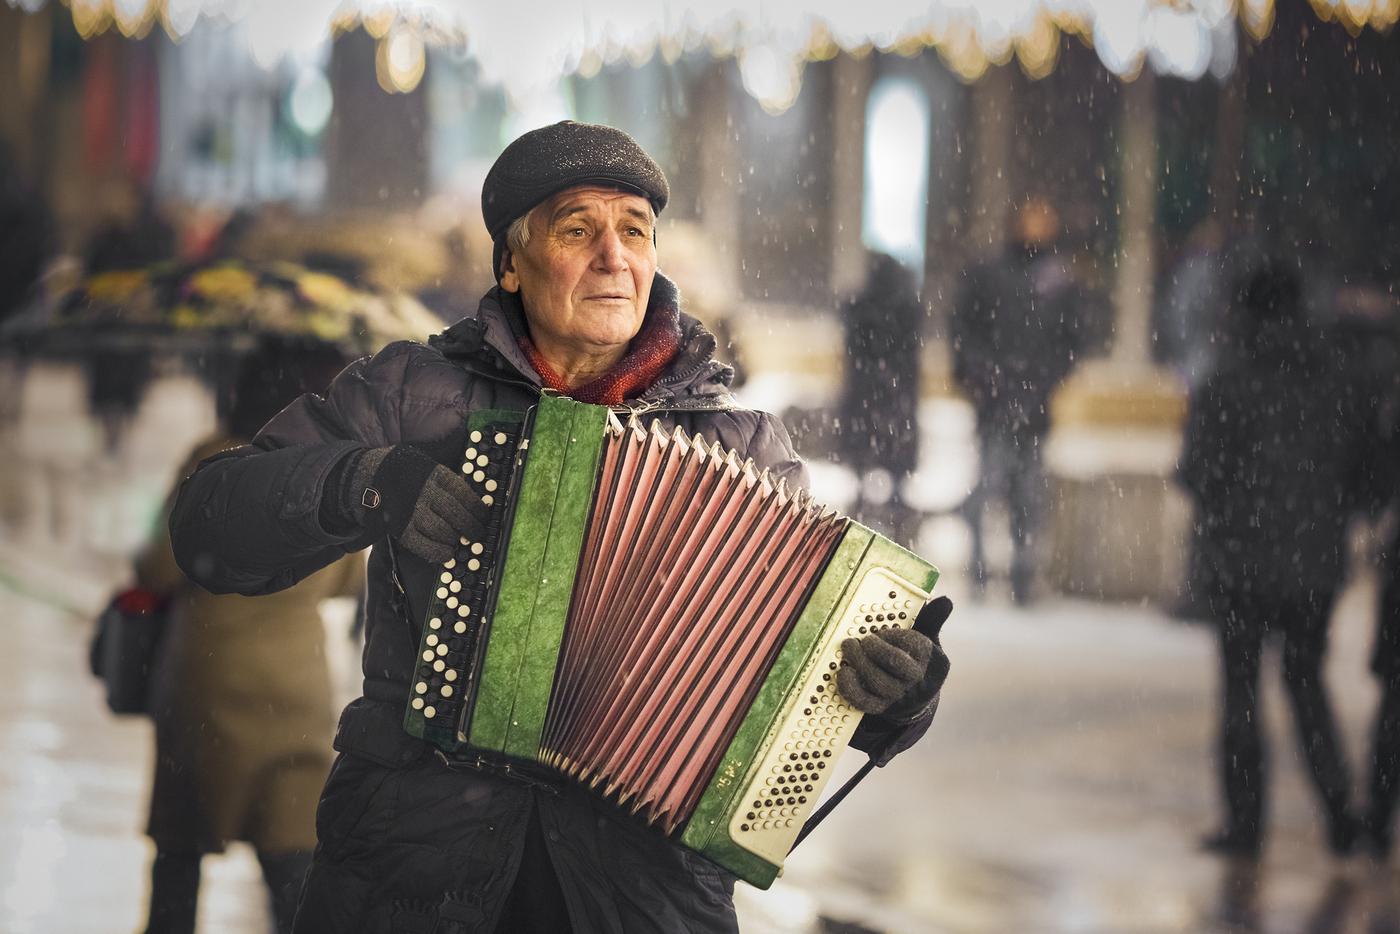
x,y
544,162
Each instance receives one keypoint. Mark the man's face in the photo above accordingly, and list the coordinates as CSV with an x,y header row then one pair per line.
x,y
585,275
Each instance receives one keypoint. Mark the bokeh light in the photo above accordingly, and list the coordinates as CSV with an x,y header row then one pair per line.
x,y
896,170
310,101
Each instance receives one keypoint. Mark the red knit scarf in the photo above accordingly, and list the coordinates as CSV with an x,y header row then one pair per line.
x,y
650,351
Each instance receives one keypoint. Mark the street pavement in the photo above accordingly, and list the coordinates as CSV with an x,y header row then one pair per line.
x,y
1063,788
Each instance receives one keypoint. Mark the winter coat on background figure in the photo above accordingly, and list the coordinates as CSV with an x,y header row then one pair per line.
x,y
1015,336
408,835
879,412
1274,456
242,701
1374,354
243,705
880,399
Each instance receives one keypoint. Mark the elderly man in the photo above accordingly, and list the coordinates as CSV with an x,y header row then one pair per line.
x,y
412,838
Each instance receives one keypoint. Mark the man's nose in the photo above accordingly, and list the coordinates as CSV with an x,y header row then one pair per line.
x,y
609,254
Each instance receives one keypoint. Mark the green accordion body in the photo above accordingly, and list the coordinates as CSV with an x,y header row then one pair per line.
x,y
649,617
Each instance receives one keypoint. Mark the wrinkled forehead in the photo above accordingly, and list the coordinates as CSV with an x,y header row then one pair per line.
x,y
595,196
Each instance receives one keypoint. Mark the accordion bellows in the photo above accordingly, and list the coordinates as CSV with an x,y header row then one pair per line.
x,y
674,614
650,616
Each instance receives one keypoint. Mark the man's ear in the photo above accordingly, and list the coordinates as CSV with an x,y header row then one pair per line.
x,y
509,280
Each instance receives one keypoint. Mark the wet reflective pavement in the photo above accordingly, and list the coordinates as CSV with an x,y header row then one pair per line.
x,y
1064,787
1066,784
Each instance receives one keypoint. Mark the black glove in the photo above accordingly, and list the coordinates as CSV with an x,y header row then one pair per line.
x,y
896,672
402,492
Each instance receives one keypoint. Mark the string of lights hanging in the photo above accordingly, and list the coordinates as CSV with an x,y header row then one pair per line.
x,y
528,46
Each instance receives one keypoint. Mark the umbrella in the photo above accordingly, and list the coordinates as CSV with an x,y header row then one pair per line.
x,y
226,302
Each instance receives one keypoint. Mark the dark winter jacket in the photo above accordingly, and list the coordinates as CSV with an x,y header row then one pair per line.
x,y
880,401
1015,335
400,831
1275,456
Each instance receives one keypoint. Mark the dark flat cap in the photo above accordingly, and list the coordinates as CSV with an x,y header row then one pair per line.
x,y
544,162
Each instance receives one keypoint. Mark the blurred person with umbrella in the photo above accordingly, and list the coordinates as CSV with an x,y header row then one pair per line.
x,y
1275,452
418,838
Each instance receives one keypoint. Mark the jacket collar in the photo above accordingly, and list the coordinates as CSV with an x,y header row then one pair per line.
x,y
487,342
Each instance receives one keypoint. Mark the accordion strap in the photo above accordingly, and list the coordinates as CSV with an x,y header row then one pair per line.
x,y
834,800
715,403
519,772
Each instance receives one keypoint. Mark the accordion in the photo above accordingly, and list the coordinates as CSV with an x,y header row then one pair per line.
x,y
650,616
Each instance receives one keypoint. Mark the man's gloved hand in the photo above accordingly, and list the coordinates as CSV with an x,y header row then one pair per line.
x,y
403,492
896,671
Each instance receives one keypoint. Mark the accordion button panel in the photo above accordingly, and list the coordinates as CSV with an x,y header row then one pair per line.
x,y
459,594
804,746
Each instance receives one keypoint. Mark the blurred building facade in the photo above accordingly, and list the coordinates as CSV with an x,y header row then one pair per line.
x,y
365,158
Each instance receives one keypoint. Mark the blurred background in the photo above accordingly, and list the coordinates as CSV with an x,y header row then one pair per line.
x,y
853,186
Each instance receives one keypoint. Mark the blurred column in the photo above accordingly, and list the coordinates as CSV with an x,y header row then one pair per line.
x,y
993,111
24,72
1132,293
1121,525
851,79
1229,142
101,101
720,179
377,141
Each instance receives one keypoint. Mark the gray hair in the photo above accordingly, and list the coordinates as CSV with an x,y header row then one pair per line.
x,y
518,233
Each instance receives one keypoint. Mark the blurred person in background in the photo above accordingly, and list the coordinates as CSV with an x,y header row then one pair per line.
x,y
1188,313
1369,328
147,238
1015,333
28,236
1274,457
242,704
880,399
1384,781
117,378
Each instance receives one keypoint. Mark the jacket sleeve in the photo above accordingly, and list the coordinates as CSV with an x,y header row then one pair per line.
x,y
246,521
772,450
156,568
1200,468
883,738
